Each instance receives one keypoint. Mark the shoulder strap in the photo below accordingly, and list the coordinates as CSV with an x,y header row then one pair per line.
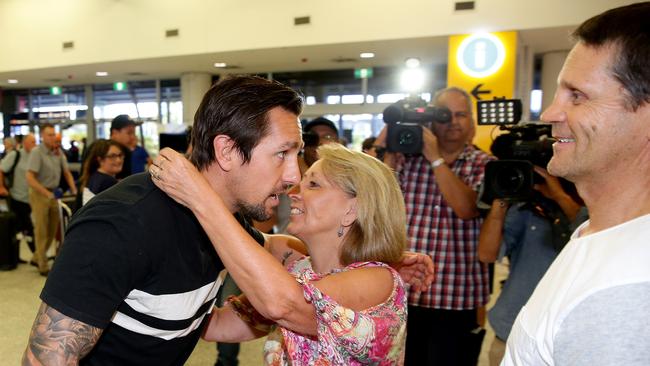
x,y
13,167
10,173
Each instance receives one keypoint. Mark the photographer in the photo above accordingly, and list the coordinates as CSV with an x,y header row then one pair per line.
x,y
439,187
530,234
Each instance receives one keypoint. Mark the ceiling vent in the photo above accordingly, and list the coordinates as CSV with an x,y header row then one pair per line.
x,y
171,33
344,59
301,20
68,45
135,73
464,5
231,67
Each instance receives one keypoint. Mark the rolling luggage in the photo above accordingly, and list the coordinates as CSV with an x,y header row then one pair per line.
x,y
8,241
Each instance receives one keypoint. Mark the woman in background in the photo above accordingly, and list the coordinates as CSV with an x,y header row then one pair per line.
x,y
104,161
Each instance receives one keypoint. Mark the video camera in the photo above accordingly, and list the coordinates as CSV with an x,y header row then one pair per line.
x,y
405,119
512,177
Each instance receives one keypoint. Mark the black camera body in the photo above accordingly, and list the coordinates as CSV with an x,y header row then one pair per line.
x,y
512,176
405,119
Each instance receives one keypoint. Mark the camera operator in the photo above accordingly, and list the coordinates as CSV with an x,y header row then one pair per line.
x,y
530,234
440,189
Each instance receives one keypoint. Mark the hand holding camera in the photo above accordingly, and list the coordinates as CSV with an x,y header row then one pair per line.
x,y
430,145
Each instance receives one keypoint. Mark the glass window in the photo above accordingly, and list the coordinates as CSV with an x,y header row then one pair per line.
x,y
333,99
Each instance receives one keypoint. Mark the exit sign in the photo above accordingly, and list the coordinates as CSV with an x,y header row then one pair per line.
x,y
363,73
55,90
119,86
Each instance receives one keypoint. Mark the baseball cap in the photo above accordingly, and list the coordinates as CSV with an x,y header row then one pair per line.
x,y
320,121
121,121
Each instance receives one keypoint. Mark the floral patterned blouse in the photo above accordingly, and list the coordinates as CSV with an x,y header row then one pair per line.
x,y
375,336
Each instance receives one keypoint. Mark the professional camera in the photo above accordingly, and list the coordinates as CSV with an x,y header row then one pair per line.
x,y
405,119
512,177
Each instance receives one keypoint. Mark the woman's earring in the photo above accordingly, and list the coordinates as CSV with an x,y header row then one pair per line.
x,y
340,231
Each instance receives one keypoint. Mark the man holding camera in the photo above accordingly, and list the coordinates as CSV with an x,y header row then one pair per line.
x,y
440,187
590,307
530,233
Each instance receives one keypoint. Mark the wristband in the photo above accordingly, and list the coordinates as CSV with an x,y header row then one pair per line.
x,y
436,163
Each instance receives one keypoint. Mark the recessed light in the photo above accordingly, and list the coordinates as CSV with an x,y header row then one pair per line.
x,y
220,64
101,73
12,81
366,55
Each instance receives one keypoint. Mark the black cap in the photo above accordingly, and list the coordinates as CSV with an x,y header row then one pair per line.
x,y
121,121
321,121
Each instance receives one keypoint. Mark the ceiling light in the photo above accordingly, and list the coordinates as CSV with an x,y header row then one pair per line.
x,y
101,73
366,55
412,62
12,81
220,64
413,79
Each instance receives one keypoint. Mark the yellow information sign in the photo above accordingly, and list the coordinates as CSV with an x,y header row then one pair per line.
x,y
484,65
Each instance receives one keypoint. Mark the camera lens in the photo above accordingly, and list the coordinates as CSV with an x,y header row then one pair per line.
x,y
509,180
407,137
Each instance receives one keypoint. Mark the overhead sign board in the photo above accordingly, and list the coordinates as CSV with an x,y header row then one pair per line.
x,y
363,73
484,64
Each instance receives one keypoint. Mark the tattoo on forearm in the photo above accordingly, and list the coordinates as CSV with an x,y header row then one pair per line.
x,y
286,256
56,339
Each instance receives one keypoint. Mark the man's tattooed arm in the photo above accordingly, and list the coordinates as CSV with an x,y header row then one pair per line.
x,y
56,339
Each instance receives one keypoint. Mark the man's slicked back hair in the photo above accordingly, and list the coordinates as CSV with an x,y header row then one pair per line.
x,y
238,107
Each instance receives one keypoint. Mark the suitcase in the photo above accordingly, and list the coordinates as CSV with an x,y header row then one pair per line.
x,y
8,242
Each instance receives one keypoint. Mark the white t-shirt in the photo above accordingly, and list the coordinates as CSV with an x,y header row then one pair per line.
x,y
590,308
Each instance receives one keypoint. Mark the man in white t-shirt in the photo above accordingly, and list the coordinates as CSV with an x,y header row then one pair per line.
x,y
590,307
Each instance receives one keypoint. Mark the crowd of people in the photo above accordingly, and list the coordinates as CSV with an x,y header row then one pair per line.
x,y
352,281
34,177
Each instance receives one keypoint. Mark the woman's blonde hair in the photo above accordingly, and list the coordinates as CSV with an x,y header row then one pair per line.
x,y
379,232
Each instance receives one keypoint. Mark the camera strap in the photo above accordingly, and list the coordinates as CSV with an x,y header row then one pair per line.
x,y
552,212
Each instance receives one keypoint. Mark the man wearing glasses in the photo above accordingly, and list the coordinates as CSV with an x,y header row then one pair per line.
x,y
319,131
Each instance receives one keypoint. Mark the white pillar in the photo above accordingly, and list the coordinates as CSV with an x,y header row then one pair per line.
x,y
551,65
91,126
524,83
193,87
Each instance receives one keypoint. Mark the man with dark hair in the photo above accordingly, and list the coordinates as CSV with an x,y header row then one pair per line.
x,y
137,275
136,278
123,132
590,307
321,131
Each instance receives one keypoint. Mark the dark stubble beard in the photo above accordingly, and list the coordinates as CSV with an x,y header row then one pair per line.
x,y
255,212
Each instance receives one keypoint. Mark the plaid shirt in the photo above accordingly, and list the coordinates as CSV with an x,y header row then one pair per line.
x,y
461,281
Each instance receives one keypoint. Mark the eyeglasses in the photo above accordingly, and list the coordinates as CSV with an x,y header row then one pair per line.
x,y
114,156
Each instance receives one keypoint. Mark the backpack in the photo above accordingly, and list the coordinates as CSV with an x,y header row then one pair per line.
x,y
9,176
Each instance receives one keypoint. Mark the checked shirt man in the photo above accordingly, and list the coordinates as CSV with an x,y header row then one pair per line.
x,y
440,189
